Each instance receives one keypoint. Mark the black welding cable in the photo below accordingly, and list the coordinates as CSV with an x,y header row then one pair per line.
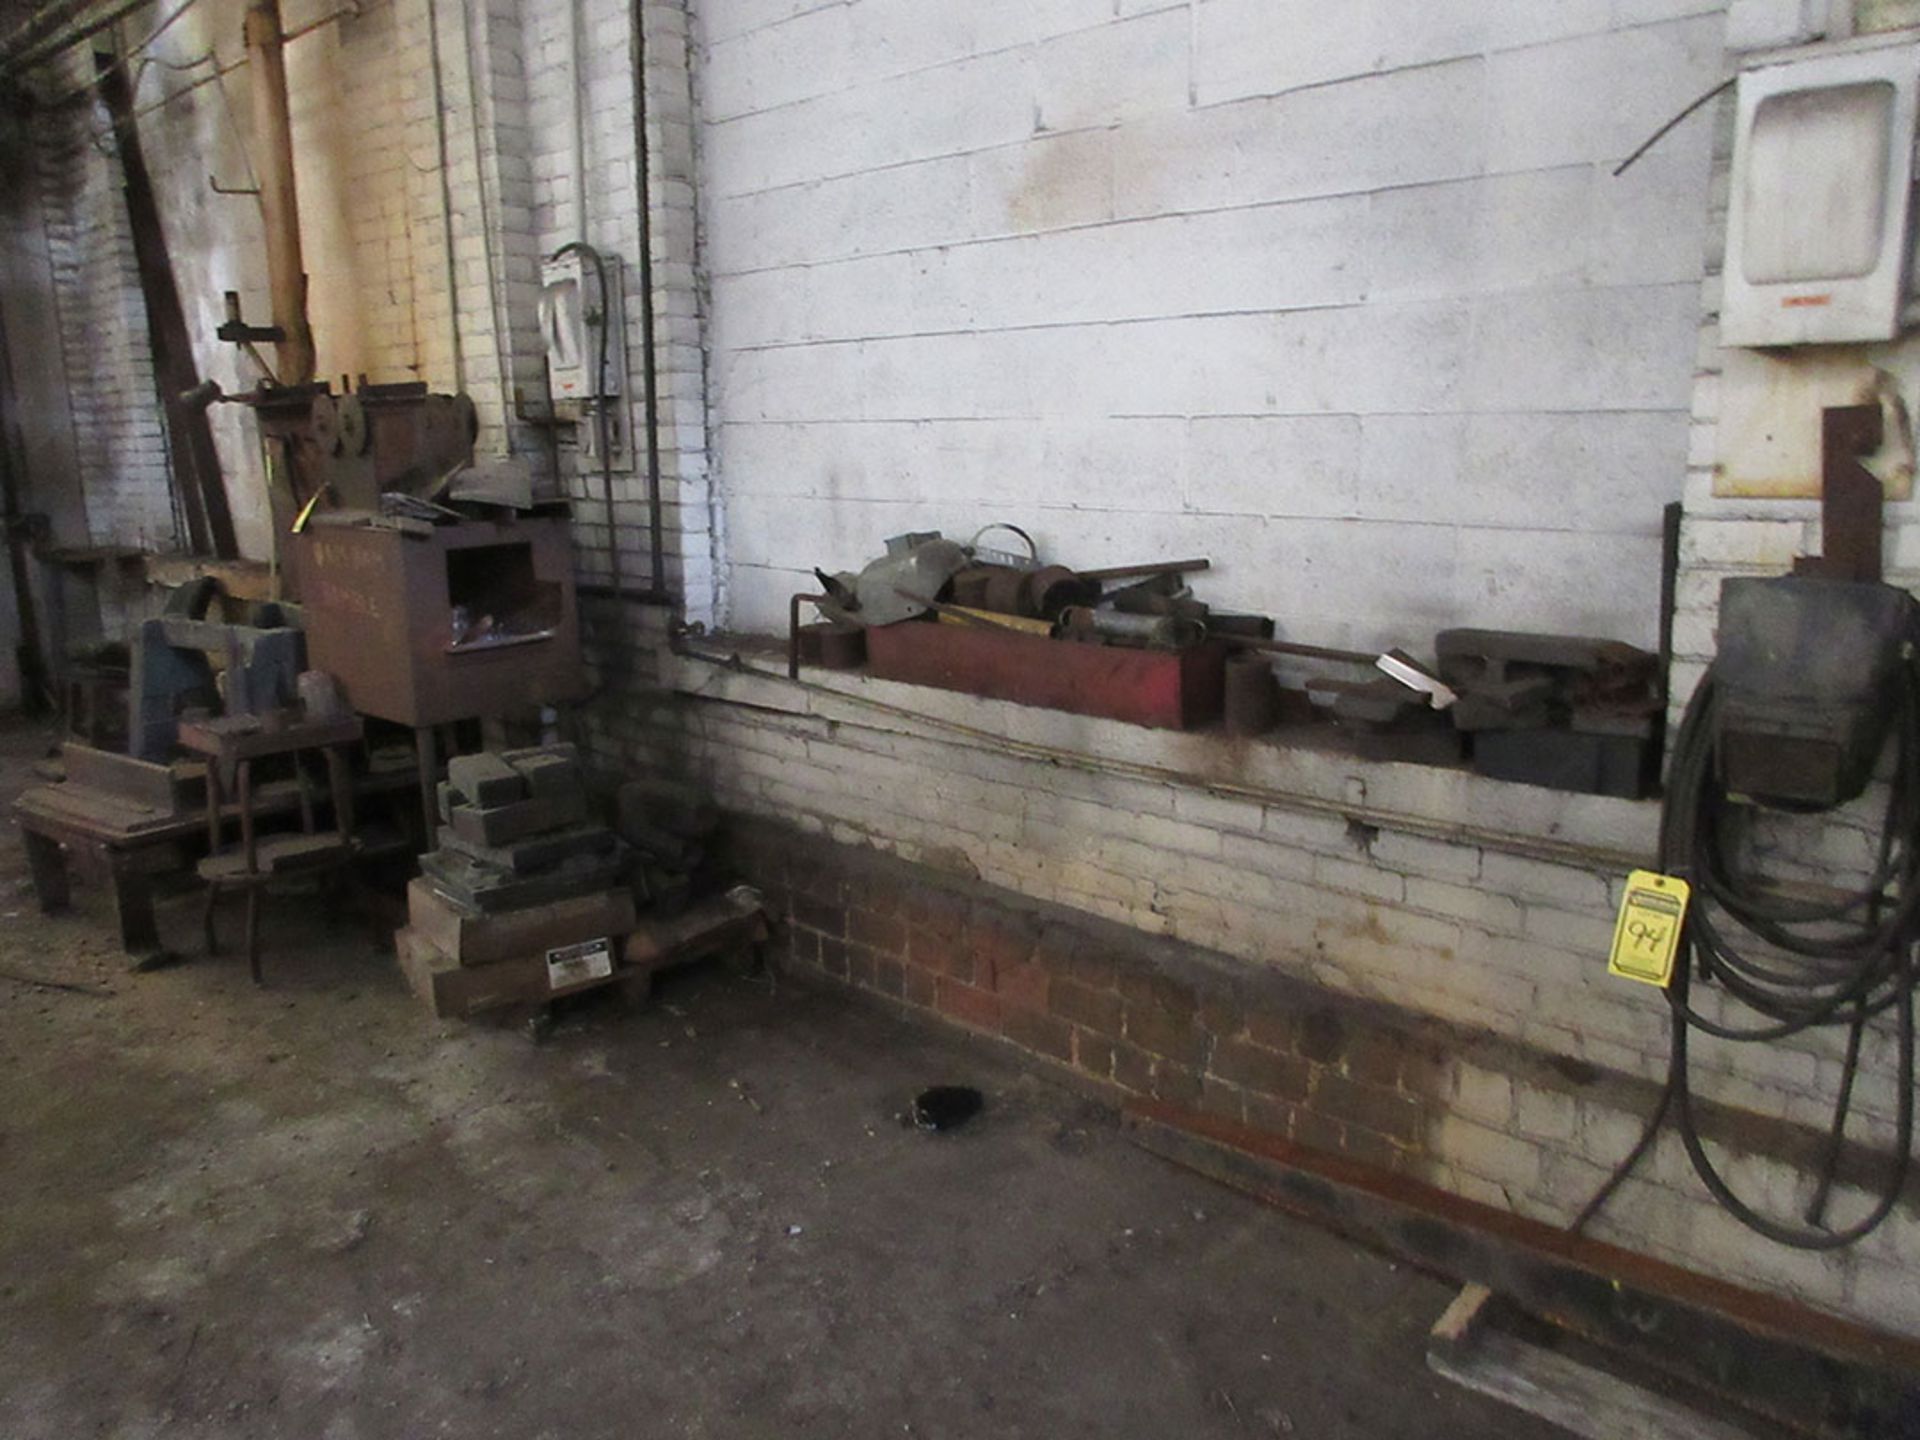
x,y
1863,970
1802,1237
1657,136
1847,973
1626,1167
1816,1212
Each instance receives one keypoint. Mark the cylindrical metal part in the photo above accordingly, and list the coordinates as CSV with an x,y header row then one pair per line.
x,y
1221,624
1052,588
1005,592
970,586
1161,632
1156,567
279,207
1252,694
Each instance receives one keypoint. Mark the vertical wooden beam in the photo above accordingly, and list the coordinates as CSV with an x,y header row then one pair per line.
x,y
280,207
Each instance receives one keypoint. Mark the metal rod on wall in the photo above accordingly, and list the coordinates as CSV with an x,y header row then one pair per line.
x,y
446,194
656,541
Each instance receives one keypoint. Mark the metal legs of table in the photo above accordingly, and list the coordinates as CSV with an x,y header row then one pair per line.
x,y
253,924
426,748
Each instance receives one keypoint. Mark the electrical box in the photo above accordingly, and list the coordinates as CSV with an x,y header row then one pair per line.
x,y
1808,671
573,317
1819,213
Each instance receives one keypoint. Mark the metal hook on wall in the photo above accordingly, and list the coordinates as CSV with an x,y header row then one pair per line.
x,y
213,184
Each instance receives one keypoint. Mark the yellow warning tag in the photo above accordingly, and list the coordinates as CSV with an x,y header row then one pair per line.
x,y
1647,935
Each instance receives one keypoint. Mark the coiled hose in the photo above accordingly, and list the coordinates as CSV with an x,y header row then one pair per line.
x,y
1839,962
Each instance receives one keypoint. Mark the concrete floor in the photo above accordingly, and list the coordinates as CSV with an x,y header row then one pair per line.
x,y
310,1211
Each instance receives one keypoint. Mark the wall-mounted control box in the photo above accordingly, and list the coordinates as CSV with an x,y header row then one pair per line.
x,y
1819,232
572,313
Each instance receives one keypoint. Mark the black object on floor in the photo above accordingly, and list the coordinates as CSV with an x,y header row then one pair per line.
x,y
946,1107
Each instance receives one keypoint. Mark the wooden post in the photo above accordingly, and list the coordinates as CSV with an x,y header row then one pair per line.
x,y
273,155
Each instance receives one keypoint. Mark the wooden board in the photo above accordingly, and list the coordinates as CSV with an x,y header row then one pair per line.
x,y
75,811
473,938
455,991
1578,1398
169,788
707,929
277,855
230,740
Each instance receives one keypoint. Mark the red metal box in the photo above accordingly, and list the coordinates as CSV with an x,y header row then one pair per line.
x,y
1170,690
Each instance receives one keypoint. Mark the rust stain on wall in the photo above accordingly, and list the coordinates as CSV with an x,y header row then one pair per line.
x,y
1770,420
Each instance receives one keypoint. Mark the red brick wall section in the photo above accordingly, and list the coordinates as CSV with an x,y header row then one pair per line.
x,y
1134,1014
1115,1007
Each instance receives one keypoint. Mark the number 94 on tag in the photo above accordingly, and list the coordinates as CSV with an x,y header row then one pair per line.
x,y
1646,937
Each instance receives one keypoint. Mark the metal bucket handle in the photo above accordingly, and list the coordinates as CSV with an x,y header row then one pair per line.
x,y
1030,561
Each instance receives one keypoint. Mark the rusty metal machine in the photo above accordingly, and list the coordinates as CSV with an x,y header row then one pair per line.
x,y
471,618
368,442
347,451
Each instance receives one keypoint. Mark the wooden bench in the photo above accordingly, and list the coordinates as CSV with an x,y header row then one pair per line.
x,y
134,841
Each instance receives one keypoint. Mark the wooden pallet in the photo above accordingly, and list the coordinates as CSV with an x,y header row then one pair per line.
x,y
1580,1399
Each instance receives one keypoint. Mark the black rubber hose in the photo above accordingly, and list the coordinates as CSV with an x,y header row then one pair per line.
x,y
1839,969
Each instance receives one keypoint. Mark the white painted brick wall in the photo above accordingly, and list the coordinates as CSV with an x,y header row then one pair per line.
x,y
1349,303
1368,321
377,228
120,442
1487,931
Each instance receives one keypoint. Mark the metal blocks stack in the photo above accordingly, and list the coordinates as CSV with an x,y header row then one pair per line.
x,y
526,898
